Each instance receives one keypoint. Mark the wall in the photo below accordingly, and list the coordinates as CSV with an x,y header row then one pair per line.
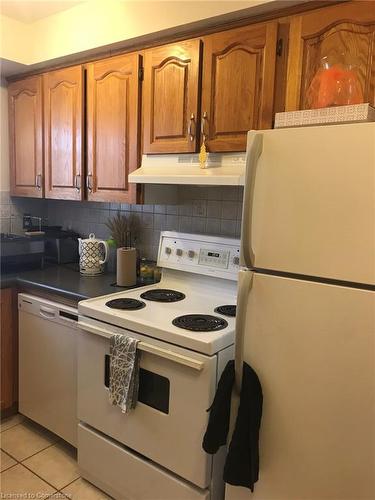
x,y
4,147
95,23
16,40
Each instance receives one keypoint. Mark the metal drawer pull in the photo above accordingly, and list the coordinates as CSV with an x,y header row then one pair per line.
x,y
152,349
38,181
191,132
77,182
88,182
203,129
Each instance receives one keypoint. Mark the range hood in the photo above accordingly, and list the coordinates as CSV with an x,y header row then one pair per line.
x,y
223,169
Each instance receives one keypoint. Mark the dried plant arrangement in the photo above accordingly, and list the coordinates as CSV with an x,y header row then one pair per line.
x,y
123,230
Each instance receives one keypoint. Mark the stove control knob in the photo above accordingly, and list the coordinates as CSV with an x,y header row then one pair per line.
x,y
191,254
236,261
179,252
168,250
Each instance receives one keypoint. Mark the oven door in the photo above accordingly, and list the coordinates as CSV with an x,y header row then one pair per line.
x,y
176,388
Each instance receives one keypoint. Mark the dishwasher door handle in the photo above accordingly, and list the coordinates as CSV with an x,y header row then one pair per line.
x,y
47,312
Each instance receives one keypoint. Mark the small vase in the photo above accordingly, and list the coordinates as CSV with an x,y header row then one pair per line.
x,y
336,83
126,266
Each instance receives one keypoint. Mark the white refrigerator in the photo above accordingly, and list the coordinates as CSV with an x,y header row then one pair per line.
x,y
306,310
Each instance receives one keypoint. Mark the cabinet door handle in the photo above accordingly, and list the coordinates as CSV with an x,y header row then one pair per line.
x,y
191,130
77,182
204,130
88,182
38,181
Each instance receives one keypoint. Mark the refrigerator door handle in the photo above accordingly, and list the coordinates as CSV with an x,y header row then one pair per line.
x,y
254,150
245,282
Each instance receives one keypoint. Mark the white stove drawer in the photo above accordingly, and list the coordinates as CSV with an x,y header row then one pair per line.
x,y
126,476
170,419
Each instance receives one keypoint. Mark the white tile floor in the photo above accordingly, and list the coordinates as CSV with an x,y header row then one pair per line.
x,y
36,462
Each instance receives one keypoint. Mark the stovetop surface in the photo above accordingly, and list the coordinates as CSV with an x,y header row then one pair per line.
x,y
202,297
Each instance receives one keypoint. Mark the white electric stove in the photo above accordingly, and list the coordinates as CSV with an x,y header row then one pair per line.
x,y
185,325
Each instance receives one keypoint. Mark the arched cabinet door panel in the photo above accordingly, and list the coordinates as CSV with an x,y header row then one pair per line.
x,y
26,137
112,128
63,134
170,99
342,32
238,85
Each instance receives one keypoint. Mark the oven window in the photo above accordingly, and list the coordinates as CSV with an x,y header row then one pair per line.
x,y
153,390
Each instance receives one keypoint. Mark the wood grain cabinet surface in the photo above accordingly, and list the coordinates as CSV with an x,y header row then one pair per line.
x,y
63,122
26,137
218,87
8,331
112,128
238,84
170,98
347,28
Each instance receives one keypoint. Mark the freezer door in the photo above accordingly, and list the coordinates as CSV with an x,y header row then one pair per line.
x,y
309,204
313,348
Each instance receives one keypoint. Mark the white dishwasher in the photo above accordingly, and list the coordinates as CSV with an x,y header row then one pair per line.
x,y
48,364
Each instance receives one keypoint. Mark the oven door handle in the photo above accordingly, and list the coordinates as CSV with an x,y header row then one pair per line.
x,y
152,349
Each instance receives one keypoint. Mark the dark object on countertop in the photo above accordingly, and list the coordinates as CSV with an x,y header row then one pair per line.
x,y
242,463
61,246
218,422
21,251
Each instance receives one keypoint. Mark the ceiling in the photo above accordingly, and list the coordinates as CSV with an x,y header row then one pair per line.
x,y
30,11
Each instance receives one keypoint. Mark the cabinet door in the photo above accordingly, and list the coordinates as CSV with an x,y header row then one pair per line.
x,y
171,81
8,365
349,29
63,96
26,137
112,128
238,85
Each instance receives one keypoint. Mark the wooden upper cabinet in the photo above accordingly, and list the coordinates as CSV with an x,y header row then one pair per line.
x,y
347,28
238,85
26,137
170,99
112,128
63,118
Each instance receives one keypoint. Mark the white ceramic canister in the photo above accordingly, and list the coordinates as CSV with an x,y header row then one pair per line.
x,y
91,260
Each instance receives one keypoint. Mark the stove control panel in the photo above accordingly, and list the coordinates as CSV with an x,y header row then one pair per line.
x,y
216,258
202,254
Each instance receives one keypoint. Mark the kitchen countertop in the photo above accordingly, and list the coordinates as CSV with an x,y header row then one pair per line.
x,y
64,280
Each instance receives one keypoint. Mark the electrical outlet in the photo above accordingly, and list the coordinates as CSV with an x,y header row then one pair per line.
x,y
199,208
26,221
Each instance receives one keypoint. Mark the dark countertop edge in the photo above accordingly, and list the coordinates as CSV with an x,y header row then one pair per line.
x,y
51,289
47,284
13,281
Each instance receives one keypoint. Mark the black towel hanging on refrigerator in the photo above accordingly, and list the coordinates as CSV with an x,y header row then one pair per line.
x,y
242,462
218,422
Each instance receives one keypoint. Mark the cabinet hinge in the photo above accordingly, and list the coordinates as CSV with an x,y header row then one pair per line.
x,y
141,74
279,47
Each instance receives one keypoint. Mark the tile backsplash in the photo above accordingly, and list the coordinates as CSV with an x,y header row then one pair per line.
x,y
12,210
209,210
